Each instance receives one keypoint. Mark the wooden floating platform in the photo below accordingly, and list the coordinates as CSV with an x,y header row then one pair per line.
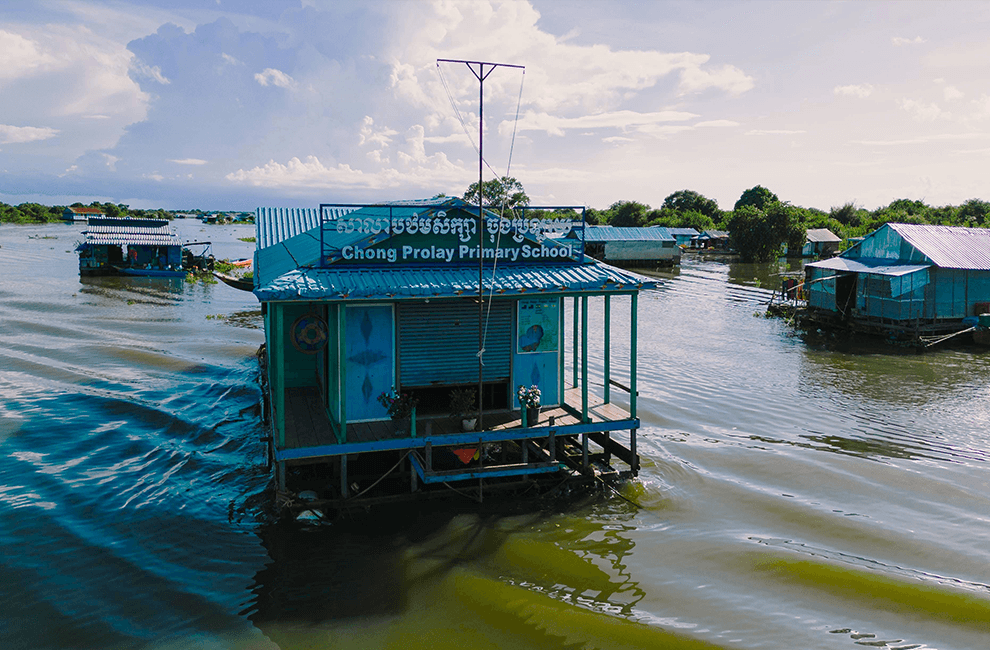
x,y
400,463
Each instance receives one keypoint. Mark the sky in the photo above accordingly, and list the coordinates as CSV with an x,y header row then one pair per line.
x,y
232,105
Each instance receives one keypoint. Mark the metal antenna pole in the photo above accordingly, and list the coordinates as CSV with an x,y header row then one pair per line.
x,y
480,74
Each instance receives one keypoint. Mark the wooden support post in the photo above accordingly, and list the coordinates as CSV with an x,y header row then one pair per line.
x,y
280,471
574,351
429,456
608,346
412,422
584,359
632,450
553,445
343,476
584,451
413,478
632,357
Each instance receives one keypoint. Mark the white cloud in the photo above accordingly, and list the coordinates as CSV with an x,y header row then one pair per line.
x,y
275,78
923,112
19,134
728,78
21,56
951,93
188,161
900,40
774,132
716,123
553,125
940,137
369,135
854,90
308,173
151,72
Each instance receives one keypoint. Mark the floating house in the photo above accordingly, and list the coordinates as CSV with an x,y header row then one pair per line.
x,y
379,351
629,246
904,279
820,242
682,236
713,240
82,214
116,246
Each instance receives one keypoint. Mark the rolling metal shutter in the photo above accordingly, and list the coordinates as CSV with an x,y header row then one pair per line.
x,y
438,343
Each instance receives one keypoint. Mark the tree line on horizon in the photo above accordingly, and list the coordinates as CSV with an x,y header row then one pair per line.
x,y
38,213
758,224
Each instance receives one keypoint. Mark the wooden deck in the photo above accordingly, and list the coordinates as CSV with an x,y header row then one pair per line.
x,y
307,426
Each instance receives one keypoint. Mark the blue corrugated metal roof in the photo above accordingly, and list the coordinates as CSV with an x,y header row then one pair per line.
x,y
683,232
867,265
622,233
951,247
274,225
108,231
377,283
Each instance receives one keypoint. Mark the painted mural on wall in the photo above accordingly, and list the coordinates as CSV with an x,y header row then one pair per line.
x,y
538,321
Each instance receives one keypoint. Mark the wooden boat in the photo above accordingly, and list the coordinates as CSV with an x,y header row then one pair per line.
x,y
244,284
247,261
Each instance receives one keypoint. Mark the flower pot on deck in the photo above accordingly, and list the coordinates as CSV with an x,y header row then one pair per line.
x,y
532,416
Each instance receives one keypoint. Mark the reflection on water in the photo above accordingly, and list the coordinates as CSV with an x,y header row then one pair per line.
x,y
796,492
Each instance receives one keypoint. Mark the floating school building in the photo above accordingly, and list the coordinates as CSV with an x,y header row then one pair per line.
x,y
116,246
361,301
905,280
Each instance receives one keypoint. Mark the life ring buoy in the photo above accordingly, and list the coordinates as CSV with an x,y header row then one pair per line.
x,y
309,334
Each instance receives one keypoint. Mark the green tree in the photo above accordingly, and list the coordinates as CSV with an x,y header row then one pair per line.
x,y
759,197
502,192
594,217
847,214
974,212
690,201
628,213
757,235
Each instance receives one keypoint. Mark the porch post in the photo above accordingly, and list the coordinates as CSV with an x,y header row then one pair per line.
x,y
608,345
575,350
342,379
584,358
632,357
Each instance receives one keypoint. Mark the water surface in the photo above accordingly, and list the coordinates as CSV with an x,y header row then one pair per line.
x,y
795,493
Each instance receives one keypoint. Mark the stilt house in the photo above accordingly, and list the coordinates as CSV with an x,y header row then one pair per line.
x,y
908,278
365,303
120,245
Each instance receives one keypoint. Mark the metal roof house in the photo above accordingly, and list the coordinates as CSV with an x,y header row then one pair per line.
x,y
820,242
904,279
120,246
364,304
683,236
629,246
81,213
711,240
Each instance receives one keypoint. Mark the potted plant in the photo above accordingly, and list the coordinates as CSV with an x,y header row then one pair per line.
x,y
400,406
529,399
463,406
